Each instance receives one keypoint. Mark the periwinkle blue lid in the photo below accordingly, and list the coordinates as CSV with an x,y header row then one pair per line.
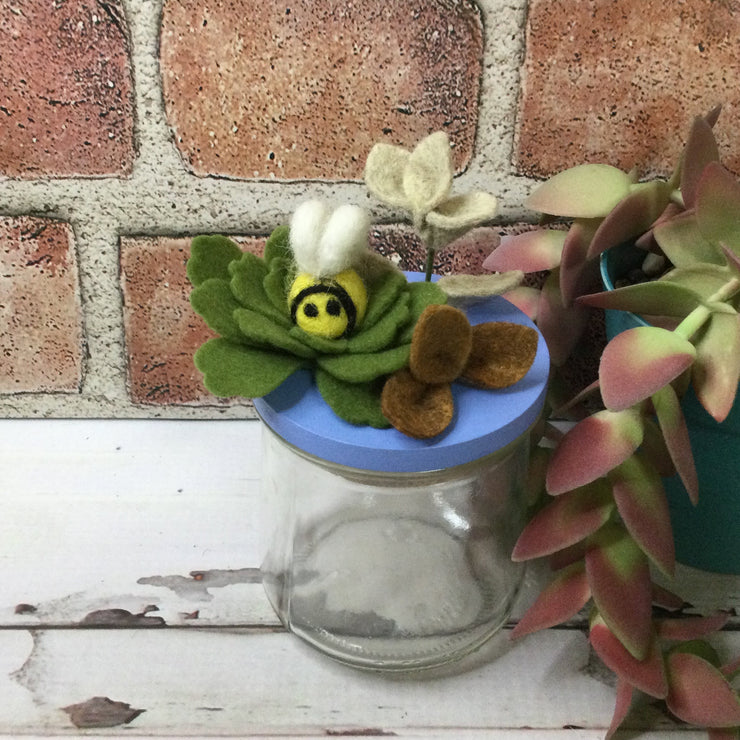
x,y
484,421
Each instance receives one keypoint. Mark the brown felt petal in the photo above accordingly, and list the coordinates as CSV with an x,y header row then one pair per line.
x,y
502,354
441,344
414,408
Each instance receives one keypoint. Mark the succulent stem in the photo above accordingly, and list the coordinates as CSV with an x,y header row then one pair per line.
x,y
699,316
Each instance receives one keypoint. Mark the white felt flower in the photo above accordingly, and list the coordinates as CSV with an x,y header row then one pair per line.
x,y
420,182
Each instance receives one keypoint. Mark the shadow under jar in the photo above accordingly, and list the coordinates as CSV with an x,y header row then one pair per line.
x,y
392,553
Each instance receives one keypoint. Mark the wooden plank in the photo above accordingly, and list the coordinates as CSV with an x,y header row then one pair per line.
x,y
102,514
218,682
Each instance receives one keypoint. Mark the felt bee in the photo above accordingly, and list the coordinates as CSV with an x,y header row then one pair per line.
x,y
327,296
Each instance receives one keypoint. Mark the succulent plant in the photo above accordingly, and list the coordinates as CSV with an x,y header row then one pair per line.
x,y
603,521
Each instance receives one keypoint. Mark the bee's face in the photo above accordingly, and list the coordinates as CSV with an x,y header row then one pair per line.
x,y
330,308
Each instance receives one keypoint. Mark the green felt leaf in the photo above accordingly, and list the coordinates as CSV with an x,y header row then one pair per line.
x,y
235,370
357,403
384,170
383,332
322,345
383,292
463,211
584,191
362,368
277,283
210,257
213,300
277,245
427,177
263,332
422,294
247,284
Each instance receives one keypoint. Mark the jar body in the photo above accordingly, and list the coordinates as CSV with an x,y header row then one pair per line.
x,y
392,571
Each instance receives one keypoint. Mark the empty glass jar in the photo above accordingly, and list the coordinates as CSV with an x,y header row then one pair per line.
x,y
392,553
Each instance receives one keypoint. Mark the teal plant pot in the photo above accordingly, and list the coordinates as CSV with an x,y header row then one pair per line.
x,y
707,536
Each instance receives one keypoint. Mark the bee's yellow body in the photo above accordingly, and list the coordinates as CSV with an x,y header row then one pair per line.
x,y
328,307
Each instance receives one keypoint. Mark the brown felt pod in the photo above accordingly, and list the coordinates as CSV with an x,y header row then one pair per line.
x,y
441,344
502,354
417,409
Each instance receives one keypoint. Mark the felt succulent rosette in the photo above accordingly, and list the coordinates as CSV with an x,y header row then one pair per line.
x,y
383,350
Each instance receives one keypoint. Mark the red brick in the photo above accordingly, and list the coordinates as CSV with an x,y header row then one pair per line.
x,y
162,330
400,244
41,344
620,82
66,95
304,89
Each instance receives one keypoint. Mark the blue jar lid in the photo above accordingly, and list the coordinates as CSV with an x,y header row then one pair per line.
x,y
485,420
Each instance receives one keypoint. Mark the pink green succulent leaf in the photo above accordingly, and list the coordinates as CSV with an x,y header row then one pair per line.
x,y
593,447
699,694
683,243
530,251
622,706
584,191
539,460
643,506
706,280
647,675
638,362
666,599
578,273
567,519
559,601
673,425
716,372
561,325
655,450
658,298
718,205
733,259
526,299
632,216
690,627
619,576
701,149
570,555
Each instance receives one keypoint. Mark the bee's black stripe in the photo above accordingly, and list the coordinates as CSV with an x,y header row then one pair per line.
x,y
333,289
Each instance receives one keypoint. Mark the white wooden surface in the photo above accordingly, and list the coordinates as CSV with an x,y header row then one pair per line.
x,y
129,566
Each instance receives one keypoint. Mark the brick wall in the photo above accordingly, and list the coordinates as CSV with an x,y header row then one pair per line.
x,y
129,126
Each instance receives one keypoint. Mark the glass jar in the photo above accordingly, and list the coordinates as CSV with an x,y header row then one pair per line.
x,y
392,553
